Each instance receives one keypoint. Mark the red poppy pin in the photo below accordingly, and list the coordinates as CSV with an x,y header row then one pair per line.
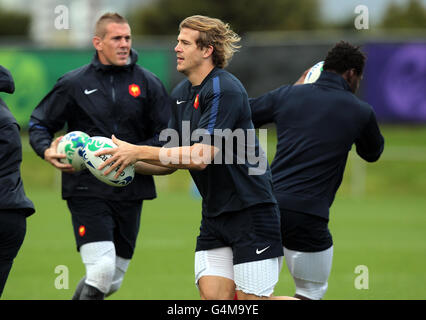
x,y
82,231
196,102
134,90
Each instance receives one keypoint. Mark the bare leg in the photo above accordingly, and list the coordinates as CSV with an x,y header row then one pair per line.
x,y
216,288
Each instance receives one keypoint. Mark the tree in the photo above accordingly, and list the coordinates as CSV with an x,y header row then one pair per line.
x,y
413,15
162,17
14,23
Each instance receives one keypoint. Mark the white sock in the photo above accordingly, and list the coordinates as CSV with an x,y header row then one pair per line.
x,y
99,259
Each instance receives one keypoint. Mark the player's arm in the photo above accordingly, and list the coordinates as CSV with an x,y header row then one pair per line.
x,y
47,118
263,107
11,149
370,143
195,157
144,168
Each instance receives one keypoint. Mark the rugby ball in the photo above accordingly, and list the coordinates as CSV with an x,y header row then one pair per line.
x,y
72,145
95,144
314,73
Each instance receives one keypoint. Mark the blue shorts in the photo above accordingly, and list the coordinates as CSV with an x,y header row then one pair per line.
x,y
253,233
304,232
96,220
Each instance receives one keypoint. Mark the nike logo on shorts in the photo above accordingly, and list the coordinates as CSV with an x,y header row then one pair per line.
x,y
179,102
263,250
90,91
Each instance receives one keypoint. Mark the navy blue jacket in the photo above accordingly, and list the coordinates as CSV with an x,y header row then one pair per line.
x,y
102,100
219,107
12,194
316,127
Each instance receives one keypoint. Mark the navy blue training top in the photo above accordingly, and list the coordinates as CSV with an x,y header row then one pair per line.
x,y
100,100
12,193
316,127
219,107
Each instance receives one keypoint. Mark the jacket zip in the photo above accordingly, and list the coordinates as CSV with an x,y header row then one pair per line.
x,y
115,126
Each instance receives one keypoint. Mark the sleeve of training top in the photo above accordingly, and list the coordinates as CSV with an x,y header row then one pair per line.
x,y
370,143
49,117
173,119
10,148
160,105
220,108
263,107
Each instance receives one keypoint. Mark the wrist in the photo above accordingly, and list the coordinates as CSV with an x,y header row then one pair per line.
x,y
148,153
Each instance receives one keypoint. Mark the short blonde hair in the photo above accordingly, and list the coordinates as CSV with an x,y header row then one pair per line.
x,y
215,33
107,18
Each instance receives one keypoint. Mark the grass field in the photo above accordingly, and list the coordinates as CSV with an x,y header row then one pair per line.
x,y
383,228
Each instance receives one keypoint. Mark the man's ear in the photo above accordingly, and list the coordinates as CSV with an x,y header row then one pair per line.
x,y
208,51
97,43
349,74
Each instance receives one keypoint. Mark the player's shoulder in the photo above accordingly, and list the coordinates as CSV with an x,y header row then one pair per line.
x,y
360,104
74,76
181,89
222,80
146,74
229,80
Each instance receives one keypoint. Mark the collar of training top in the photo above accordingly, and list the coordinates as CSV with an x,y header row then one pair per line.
x,y
99,66
6,81
209,76
332,79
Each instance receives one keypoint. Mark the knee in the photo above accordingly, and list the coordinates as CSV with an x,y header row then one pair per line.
x,y
309,290
208,293
100,266
100,273
216,289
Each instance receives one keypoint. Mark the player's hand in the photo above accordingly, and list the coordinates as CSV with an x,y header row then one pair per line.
x,y
302,77
121,157
52,156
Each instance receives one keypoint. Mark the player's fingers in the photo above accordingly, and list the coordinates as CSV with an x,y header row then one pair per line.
x,y
112,162
116,140
54,144
62,166
107,171
118,172
54,158
51,153
58,156
110,151
105,163
123,166
302,77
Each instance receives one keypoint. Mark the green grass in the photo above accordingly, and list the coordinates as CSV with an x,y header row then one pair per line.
x,y
382,228
384,234
162,267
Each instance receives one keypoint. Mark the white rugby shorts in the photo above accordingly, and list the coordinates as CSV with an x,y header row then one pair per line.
x,y
256,277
